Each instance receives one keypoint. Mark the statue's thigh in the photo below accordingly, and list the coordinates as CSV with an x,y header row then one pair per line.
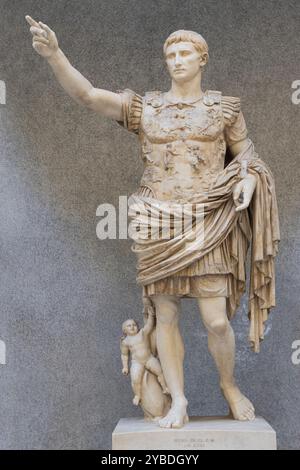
x,y
212,309
154,366
167,308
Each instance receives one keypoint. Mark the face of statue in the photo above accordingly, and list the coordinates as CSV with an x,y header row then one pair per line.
x,y
131,328
184,61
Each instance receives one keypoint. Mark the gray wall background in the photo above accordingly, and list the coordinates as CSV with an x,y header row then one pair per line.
x,y
64,294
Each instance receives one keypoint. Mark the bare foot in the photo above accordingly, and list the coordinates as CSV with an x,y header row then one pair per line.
x,y
241,408
177,416
136,400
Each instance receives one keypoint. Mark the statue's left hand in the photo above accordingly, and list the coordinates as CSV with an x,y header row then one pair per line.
x,y
244,188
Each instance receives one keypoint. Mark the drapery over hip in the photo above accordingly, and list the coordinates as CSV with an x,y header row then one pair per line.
x,y
160,257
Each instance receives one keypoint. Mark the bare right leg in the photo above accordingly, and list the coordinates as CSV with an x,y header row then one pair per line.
x,y
171,354
136,374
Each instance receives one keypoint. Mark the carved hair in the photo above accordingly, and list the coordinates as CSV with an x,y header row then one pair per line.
x,y
187,36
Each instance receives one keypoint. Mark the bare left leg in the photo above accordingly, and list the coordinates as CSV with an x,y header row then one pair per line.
x,y
221,343
153,365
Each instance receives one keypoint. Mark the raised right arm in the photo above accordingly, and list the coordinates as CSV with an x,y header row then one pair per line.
x,y
148,328
45,43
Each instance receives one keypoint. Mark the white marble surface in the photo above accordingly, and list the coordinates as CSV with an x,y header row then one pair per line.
x,y
213,433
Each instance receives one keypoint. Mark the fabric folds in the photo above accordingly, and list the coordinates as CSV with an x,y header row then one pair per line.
x,y
159,258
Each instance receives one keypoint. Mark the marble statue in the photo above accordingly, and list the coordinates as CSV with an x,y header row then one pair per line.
x,y
147,380
136,343
195,150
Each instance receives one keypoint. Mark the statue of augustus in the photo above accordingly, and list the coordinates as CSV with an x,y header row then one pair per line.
x,y
197,154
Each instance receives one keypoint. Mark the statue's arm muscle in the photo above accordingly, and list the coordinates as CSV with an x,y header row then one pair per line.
x,y
105,102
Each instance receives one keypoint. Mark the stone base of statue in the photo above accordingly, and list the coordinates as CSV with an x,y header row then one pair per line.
x,y
213,433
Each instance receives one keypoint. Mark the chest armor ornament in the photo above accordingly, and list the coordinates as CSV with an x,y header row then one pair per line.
x,y
183,145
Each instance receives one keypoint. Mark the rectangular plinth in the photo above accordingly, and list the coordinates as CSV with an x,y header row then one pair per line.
x,y
211,433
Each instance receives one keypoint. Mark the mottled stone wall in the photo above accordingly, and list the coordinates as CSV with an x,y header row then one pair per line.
x,y
64,293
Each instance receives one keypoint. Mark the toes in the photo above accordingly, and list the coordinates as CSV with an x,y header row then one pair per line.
x,y
250,406
164,423
177,424
171,423
174,419
251,412
241,415
243,418
248,415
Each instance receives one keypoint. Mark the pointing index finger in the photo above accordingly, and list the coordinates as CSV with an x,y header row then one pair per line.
x,y
31,21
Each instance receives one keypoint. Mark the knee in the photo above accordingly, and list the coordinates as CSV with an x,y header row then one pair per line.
x,y
136,380
166,310
219,327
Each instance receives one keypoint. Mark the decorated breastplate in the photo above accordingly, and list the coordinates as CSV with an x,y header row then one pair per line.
x,y
163,121
183,144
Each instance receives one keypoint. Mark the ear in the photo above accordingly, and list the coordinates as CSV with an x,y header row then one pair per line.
x,y
203,59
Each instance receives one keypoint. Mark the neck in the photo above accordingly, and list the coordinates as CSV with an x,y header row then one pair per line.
x,y
188,90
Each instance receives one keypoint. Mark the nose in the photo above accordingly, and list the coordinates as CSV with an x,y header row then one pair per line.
x,y
178,60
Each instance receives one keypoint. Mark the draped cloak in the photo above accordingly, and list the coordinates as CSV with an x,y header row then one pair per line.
x,y
256,227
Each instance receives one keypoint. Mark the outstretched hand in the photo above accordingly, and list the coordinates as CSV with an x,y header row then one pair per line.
x,y
44,39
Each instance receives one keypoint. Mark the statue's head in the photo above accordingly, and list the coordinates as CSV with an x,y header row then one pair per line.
x,y
186,53
130,327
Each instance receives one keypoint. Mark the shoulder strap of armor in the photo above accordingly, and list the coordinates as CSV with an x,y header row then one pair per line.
x,y
231,109
212,97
